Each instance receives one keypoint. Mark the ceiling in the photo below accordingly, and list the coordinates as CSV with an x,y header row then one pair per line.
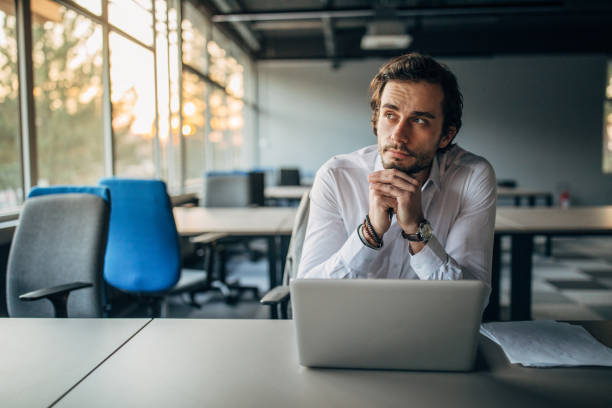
x,y
333,29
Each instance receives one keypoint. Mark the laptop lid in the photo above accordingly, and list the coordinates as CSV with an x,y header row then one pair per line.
x,y
387,323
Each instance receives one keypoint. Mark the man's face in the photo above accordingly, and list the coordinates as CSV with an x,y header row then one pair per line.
x,y
409,125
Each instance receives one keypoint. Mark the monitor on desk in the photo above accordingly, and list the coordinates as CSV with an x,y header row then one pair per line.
x,y
387,323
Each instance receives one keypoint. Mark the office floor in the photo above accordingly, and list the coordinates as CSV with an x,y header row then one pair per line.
x,y
575,283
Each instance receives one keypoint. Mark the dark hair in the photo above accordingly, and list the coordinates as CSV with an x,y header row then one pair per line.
x,y
416,67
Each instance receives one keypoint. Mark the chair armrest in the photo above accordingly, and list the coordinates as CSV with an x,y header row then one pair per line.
x,y
54,291
276,295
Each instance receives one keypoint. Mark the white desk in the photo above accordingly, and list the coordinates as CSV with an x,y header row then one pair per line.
x,y
522,224
253,363
233,221
519,193
273,223
287,192
41,359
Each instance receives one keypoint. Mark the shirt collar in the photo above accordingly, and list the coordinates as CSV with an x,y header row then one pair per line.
x,y
434,174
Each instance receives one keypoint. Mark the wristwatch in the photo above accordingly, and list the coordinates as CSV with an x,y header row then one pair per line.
x,y
423,234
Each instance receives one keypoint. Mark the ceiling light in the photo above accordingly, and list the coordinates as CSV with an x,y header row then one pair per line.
x,y
385,35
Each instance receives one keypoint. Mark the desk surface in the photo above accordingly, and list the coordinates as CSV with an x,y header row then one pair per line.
x,y
234,221
291,192
253,363
594,219
521,192
41,359
597,219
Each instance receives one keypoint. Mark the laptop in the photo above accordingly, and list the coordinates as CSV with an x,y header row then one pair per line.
x,y
387,323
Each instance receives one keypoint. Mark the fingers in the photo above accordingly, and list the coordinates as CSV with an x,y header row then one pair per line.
x,y
392,190
382,200
393,176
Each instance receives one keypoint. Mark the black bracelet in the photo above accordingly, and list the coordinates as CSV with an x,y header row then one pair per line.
x,y
372,230
363,239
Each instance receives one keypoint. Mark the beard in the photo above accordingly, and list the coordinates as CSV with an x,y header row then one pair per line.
x,y
422,161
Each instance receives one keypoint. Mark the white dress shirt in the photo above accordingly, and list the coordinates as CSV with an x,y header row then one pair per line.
x,y
458,199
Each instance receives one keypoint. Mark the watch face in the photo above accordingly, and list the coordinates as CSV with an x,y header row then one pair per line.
x,y
426,231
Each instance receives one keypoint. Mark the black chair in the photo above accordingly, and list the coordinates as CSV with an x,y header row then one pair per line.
x,y
278,297
59,248
289,177
507,183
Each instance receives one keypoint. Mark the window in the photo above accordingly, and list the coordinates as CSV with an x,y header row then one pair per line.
x,y
95,6
177,104
133,17
133,102
194,127
10,162
194,33
67,58
607,148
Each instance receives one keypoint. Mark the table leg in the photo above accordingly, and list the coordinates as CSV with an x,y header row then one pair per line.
x,y
284,248
549,203
491,313
520,293
272,260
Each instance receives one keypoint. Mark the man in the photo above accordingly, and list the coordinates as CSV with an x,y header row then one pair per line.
x,y
415,206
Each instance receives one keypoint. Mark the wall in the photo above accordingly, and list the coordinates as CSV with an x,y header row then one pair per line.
x,y
537,119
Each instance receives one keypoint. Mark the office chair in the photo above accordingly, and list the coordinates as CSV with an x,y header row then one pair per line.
x,y
58,248
232,189
278,297
289,177
143,254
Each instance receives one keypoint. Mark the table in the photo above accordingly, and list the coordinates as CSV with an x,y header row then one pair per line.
x,y
253,363
522,224
273,223
287,192
41,359
519,193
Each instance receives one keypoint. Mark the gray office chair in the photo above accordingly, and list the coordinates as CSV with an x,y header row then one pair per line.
x,y
278,297
58,248
232,189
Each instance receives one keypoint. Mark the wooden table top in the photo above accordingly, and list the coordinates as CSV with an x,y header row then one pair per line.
x,y
520,192
235,221
292,192
591,219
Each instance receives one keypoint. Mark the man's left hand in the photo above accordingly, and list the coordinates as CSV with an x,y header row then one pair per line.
x,y
407,192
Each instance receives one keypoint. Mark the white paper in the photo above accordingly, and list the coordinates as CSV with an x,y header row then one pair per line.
x,y
547,343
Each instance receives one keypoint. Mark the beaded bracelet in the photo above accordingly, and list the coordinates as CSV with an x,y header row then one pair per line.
x,y
371,230
367,237
363,234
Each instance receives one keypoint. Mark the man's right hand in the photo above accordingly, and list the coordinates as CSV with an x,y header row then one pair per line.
x,y
379,209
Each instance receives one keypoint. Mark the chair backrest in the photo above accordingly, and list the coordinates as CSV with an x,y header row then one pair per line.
x,y
289,177
226,189
143,254
507,183
256,188
61,238
294,252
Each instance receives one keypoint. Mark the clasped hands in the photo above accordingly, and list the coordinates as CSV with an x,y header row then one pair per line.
x,y
392,188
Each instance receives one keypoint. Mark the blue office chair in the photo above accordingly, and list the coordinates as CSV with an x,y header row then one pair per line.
x,y
58,248
143,254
